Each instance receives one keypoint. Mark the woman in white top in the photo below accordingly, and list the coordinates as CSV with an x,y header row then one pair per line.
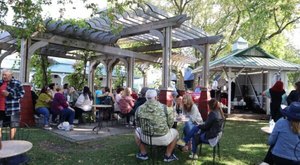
x,y
83,104
190,110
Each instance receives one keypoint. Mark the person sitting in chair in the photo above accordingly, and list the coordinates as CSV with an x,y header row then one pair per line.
x,y
284,140
83,104
126,104
43,105
161,121
210,129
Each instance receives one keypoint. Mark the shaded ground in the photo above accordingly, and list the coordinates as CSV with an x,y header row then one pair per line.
x,y
84,132
244,115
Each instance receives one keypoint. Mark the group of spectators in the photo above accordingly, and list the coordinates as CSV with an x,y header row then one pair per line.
x,y
162,119
67,104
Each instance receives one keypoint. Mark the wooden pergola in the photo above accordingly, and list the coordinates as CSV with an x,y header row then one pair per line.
x,y
159,32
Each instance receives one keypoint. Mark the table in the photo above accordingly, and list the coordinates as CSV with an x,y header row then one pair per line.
x,y
14,147
266,129
100,107
178,120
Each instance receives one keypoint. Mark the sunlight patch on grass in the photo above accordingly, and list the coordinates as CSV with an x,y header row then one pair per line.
x,y
251,147
233,161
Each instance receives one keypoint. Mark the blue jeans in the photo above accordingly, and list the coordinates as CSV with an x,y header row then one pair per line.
x,y
191,135
45,112
67,114
188,126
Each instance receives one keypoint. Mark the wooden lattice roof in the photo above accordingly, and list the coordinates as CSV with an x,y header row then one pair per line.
x,y
140,24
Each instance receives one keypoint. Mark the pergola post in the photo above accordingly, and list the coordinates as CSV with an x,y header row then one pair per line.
x,y
23,63
167,50
91,75
26,52
201,50
130,71
166,44
205,95
230,79
145,79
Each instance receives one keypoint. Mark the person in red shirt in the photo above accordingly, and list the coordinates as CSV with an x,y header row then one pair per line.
x,y
134,95
11,91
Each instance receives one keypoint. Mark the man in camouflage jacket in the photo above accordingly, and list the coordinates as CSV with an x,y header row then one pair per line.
x,y
161,120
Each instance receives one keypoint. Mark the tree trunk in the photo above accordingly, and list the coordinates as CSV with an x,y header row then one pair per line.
x,y
44,60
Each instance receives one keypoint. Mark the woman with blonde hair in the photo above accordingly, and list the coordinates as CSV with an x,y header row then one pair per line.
x,y
210,129
191,111
126,104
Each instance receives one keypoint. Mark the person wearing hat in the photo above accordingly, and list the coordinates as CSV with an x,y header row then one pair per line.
x,y
162,120
284,140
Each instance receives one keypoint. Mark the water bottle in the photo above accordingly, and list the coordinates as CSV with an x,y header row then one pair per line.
x,y
271,125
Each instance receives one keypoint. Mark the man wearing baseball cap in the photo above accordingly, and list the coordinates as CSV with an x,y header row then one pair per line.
x,y
161,121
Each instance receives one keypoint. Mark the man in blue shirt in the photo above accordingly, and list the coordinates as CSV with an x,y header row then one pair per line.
x,y
98,94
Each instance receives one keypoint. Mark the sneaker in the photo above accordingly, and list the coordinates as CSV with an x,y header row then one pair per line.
x,y
181,143
193,156
60,126
119,118
170,158
142,156
46,127
71,127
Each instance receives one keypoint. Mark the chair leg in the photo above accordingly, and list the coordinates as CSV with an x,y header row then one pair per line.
x,y
214,154
218,145
152,155
200,148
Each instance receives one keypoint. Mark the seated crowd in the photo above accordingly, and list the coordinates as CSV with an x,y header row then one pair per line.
x,y
67,104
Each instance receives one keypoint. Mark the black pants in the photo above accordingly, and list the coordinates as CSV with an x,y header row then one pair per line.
x,y
283,161
269,157
275,160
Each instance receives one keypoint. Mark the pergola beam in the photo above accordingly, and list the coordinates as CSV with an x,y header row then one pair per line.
x,y
104,49
61,55
156,25
180,44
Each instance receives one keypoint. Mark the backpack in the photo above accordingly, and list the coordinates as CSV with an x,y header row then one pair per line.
x,y
106,100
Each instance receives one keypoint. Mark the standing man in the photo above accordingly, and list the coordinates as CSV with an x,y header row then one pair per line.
x,y
161,121
11,91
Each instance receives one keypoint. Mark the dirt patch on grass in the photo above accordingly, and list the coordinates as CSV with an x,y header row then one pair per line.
x,y
247,117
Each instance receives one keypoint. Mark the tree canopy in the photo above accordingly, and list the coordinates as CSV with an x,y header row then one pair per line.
x,y
257,21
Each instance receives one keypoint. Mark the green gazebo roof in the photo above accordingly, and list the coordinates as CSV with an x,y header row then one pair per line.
x,y
252,59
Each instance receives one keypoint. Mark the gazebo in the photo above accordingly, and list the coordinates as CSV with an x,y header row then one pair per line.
x,y
253,68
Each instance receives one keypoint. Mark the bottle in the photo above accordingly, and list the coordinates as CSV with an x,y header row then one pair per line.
x,y
271,125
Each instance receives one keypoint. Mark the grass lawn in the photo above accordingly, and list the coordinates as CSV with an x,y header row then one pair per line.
x,y
242,143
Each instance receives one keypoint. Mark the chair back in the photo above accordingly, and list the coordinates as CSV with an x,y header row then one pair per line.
x,y
146,130
222,130
22,133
